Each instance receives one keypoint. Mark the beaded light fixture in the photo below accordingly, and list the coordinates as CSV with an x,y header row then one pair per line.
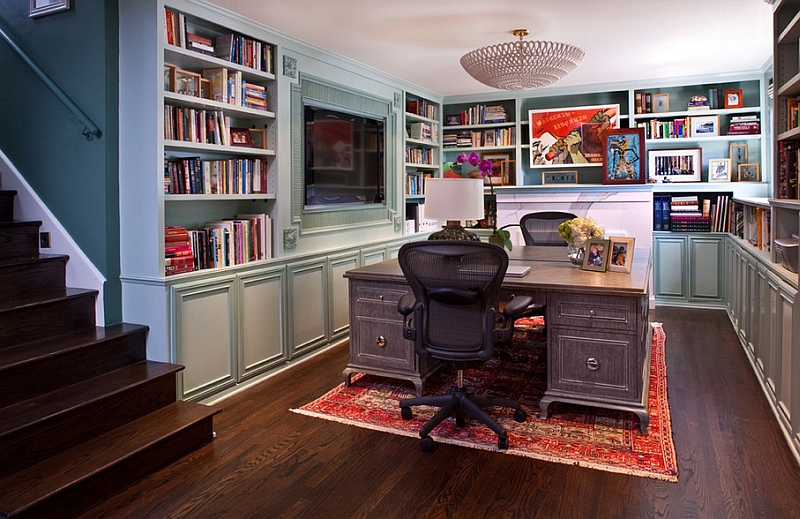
x,y
522,65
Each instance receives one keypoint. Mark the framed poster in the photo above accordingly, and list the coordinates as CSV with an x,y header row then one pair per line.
x,y
623,152
560,136
682,165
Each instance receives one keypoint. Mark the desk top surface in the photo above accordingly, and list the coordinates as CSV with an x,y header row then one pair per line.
x,y
550,270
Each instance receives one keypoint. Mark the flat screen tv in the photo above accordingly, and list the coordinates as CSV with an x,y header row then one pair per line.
x,y
344,158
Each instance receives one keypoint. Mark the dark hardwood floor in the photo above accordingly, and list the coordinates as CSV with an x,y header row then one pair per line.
x,y
267,462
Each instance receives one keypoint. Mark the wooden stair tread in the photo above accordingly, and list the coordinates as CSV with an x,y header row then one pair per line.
x,y
41,258
85,392
13,303
32,351
30,486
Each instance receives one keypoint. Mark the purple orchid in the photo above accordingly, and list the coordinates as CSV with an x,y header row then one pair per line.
x,y
473,159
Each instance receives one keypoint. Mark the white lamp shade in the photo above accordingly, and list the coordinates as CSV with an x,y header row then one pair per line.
x,y
454,198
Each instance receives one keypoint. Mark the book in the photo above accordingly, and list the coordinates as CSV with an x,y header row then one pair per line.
x,y
517,271
219,83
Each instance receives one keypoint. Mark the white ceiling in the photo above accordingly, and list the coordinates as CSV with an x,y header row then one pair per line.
x,y
422,41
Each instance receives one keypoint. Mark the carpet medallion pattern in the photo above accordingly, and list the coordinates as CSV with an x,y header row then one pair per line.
x,y
585,436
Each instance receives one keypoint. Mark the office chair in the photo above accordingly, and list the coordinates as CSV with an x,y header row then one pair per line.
x,y
451,316
542,228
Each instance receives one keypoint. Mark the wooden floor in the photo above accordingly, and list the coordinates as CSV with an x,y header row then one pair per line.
x,y
267,462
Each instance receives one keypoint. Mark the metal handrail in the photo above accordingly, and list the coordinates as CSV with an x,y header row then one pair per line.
x,y
89,128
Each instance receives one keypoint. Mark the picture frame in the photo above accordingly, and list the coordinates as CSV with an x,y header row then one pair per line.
x,y
596,255
734,99
43,7
621,256
241,137
169,77
719,170
660,103
508,170
187,83
561,137
749,173
489,138
738,155
569,176
258,136
675,165
452,120
704,126
497,160
623,156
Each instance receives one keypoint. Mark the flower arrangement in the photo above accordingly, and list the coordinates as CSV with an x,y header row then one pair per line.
x,y
580,230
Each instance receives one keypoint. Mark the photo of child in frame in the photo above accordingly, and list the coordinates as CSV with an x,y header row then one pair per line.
x,y
597,255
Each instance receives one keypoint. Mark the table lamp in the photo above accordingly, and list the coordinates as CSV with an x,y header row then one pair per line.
x,y
453,200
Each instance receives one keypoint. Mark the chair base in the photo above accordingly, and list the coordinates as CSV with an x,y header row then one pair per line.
x,y
461,403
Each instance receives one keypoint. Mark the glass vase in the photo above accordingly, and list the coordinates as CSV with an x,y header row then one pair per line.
x,y
575,254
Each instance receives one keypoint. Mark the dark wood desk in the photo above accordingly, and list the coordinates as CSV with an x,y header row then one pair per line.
x,y
598,331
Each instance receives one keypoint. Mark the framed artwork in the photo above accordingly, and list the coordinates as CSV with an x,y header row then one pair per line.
x,y
705,126
749,173
560,177
738,155
187,83
333,148
452,120
497,160
43,7
169,77
660,103
623,152
596,255
733,99
621,257
241,137
258,136
681,165
719,170
567,136
508,171
488,138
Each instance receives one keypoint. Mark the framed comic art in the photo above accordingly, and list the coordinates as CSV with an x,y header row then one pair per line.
x,y
569,136
623,156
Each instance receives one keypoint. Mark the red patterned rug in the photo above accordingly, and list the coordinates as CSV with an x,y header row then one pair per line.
x,y
576,435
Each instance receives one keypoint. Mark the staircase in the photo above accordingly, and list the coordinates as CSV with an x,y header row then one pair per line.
x,y
83,413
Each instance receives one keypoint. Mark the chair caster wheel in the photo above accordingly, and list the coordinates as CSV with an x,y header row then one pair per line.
x,y
502,443
406,413
460,420
520,415
426,444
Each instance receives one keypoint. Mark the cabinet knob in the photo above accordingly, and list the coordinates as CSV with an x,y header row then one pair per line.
x,y
592,313
380,340
380,297
592,364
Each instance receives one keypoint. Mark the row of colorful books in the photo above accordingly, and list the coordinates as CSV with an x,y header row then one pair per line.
x,y
195,176
479,138
479,114
788,159
187,124
428,132
690,213
422,108
227,86
415,155
415,183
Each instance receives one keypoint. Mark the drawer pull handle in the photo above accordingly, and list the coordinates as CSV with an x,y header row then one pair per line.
x,y
380,297
380,340
592,364
592,313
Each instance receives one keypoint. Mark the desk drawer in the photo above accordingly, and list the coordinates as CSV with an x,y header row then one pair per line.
x,y
378,301
595,312
379,344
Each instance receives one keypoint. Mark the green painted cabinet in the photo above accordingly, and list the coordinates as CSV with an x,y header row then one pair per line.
x,y
687,269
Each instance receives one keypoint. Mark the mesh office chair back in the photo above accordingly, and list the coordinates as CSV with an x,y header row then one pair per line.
x,y
542,228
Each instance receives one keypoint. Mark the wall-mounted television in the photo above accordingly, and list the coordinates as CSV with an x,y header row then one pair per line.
x,y
344,158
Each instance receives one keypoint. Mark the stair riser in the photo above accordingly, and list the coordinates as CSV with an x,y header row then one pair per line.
x,y
40,376
29,445
82,495
31,323
31,278
19,240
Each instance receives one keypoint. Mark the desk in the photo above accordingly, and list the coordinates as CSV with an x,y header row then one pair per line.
x,y
598,332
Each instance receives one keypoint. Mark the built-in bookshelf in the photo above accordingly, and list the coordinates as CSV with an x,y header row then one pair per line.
x,y
422,156
219,139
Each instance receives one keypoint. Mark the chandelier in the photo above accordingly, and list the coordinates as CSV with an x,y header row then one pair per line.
x,y
522,65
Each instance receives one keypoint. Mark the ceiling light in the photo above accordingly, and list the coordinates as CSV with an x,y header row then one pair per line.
x,y
522,65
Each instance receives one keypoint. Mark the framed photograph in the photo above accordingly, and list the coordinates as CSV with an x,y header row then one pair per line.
x,y
258,136
738,155
560,177
564,136
705,126
497,160
488,138
623,152
187,83
621,256
680,165
169,77
596,255
719,170
205,89
749,173
733,99
508,170
43,7
660,103
241,137
452,120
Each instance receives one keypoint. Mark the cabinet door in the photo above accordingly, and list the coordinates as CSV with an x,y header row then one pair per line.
x,y
705,258
670,267
373,255
339,301
204,336
308,287
262,321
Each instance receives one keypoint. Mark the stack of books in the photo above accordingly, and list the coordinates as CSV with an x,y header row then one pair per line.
x,y
178,254
421,132
698,103
686,214
495,114
199,43
744,125
255,96
422,108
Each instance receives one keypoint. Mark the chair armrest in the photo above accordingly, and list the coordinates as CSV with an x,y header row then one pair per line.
x,y
406,304
519,306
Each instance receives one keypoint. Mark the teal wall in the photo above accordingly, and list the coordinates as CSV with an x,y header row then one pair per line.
x,y
76,178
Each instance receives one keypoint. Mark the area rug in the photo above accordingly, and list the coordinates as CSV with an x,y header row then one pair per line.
x,y
576,435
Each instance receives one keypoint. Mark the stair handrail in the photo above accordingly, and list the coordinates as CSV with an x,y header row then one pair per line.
x,y
90,129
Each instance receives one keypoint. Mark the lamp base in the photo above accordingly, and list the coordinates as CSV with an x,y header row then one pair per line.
x,y
454,231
